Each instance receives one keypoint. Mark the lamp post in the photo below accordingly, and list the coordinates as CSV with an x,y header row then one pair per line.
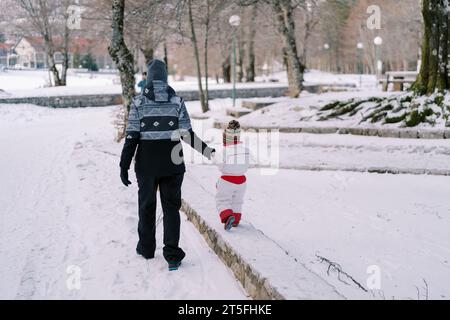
x,y
234,21
326,46
360,47
378,41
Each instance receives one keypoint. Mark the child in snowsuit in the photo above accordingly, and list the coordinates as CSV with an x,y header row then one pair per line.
x,y
231,186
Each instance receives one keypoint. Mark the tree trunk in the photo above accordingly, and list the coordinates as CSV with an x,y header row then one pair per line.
x,y
240,62
226,70
241,51
50,49
197,58
337,58
207,23
283,10
122,57
148,54
51,62
251,45
65,52
289,70
434,72
308,32
166,57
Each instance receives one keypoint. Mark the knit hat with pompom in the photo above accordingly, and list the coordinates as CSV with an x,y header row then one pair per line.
x,y
232,133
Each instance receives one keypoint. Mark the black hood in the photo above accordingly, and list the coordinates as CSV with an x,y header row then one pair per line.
x,y
157,71
157,88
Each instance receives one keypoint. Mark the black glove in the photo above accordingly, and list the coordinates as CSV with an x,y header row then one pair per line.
x,y
124,177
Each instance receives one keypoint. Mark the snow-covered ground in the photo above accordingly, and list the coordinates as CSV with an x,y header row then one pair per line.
x,y
63,205
304,112
397,224
297,112
320,77
64,210
394,226
35,83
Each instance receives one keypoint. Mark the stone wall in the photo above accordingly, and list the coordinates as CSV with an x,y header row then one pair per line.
x,y
76,101
102,100
254,284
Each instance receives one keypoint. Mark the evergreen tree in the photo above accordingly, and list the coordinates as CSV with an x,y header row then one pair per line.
x,y
88,62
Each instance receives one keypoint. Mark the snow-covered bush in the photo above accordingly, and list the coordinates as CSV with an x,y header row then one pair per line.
x,y
406,110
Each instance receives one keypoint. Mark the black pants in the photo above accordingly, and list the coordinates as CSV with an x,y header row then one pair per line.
x,y
170,193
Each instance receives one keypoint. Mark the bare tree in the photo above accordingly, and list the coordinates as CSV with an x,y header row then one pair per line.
x,y
149,24
194,41
224,41
43,16
286,25
122,57
207,24
64,6
250,72
241,46
284,12
309,15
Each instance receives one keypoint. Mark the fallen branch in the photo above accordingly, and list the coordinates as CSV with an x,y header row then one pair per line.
x,y
336,267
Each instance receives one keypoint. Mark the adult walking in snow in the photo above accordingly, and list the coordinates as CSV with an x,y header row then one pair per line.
x,y
157,122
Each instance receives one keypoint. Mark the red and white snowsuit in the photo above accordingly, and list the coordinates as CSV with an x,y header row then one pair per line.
x,y
231,186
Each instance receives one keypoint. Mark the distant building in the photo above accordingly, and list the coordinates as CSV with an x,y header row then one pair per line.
x,y
31,53
7,55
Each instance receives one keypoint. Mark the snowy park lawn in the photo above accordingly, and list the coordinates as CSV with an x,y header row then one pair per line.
x,y
35,83
62,205
28,83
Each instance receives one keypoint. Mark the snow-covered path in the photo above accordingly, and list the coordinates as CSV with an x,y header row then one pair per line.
x,y
63,210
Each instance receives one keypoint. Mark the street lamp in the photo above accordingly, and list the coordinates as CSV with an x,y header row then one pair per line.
x,y
234,21
378,41
360,47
